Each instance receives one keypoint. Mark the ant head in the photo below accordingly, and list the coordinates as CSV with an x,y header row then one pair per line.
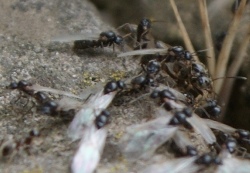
x,y
205,159
167,94
119,40
188,111
121,84
203,82
198,69
49,107
231,144
23,83
191,151
153,67
145,24
41,96
108,35
13,85
110,87
102,119
177,49
187,55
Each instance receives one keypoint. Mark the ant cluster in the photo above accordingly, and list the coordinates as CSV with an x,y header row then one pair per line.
x,y
181,91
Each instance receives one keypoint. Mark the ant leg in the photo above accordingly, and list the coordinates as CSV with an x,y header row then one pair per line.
x,y
241,151
132,28
31,107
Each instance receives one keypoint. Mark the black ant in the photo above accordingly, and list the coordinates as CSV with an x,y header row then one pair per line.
x,y
180,117
139,31
22,85
142,81
102,119
207,159
209,109
142,31
47,106
106,39
226,140
113,86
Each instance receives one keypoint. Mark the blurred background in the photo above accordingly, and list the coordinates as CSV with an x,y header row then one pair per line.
x,y
221,13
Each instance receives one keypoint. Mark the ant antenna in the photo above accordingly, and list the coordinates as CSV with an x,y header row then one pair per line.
x,y
230,77
153,21
199,51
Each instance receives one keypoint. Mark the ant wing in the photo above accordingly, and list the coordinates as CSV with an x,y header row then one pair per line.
x,y
142,140
219,126
161,45
174,166
142,144
67,103
90,150
101,101
128,27
37,87
75,37
86,115
143,52
161,122
234,165
83,119
181,140
202,128
177,94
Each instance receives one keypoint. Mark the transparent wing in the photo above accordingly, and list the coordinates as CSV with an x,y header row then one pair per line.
x,y
75,37
219,126
67,103
140,141
202,128
142,144
234,165
85,117
90,150
181,140
174,166
37,87
176,93
162,45
143,52
158,123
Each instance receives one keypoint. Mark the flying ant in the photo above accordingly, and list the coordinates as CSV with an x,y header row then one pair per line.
x,y
46,105
32,89
84,41
106,39
86,115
